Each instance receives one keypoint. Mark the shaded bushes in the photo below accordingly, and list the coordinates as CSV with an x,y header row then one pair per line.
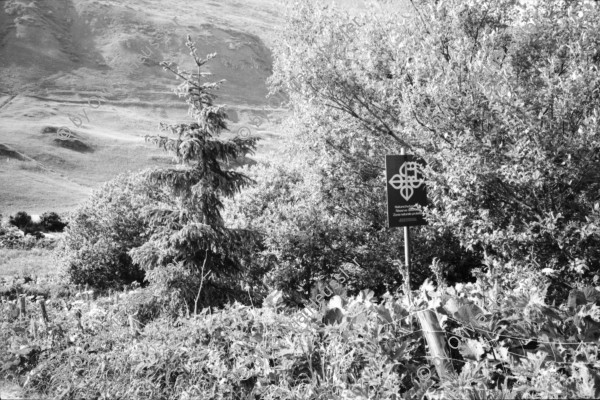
x,y
499,99
104,229
312,230
22,232
21,219
24,222
52,222
12,237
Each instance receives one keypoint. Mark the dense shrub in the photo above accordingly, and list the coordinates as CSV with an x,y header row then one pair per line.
x,y
33,229
12,237
24,222
51,222
317,219
103,230
500,98
505,342
20,220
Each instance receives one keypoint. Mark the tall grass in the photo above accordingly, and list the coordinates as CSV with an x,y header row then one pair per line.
x,y
36,261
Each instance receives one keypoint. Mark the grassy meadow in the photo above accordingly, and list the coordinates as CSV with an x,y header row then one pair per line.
x,y
18,263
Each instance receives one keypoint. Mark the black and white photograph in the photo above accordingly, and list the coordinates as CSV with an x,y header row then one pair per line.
x,y
299,199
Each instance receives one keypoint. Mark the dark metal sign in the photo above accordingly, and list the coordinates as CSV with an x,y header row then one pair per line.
x,y
405,190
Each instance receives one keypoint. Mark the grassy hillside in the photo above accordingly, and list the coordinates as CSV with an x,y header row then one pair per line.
x,y
78,64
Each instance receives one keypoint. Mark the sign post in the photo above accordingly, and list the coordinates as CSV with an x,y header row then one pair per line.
x,y
406,191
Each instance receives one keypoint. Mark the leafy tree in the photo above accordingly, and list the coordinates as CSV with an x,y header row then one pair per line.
x,y
24,222
188,238
101,231
343,171
21,219
52,222
500,98
314,227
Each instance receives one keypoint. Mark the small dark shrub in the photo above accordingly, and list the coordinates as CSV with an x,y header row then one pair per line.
x,y
20,220
51,222
34,230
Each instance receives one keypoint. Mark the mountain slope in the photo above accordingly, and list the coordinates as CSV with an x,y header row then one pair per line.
x,y
78,64
79,86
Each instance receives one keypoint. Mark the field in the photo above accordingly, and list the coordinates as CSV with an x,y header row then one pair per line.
x,y
93,48
15,262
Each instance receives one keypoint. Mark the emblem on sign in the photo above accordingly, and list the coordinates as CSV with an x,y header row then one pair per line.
x,y
407,180
406,190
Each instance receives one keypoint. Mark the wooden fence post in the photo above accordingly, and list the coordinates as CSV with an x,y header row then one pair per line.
x,y
33,328
78,318
42,304
22,311
436,341
134,327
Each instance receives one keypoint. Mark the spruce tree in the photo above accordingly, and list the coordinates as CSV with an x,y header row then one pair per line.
x,y
189,244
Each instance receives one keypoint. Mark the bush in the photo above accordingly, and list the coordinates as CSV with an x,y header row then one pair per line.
x,y
34,230
504,342
316,220
23,221
52,222
500,98
103,230
12,237
20,220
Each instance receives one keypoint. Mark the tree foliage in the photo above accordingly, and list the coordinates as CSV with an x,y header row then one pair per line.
x,y
52,222
188,237
103,230
500,98
21,219
311,230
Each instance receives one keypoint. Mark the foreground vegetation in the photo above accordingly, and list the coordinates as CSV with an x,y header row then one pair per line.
x,y
505,344
281,281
